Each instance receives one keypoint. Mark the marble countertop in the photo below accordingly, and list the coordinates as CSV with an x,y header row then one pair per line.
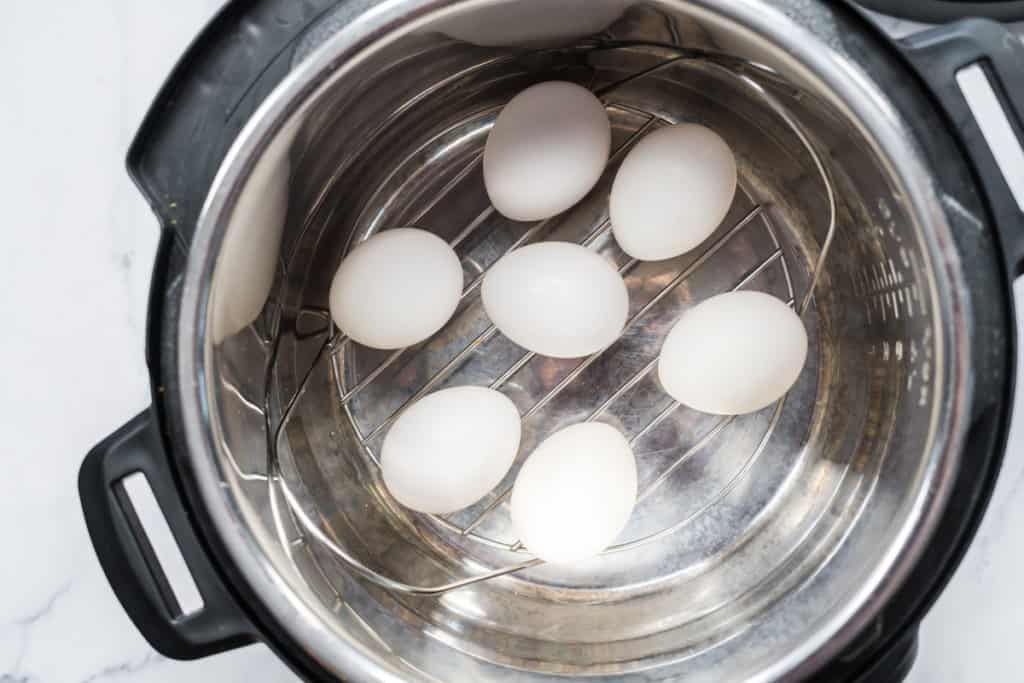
x,y
74,275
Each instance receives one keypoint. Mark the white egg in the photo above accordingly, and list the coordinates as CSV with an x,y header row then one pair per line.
x,y
396,288
671,192
556,298
531,24
447,450
575,493
733,353
546,150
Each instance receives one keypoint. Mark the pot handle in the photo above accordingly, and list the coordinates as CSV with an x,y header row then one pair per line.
x,y
128,558
939,55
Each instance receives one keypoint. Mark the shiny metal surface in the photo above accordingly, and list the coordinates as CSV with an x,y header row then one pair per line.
x,y
761,542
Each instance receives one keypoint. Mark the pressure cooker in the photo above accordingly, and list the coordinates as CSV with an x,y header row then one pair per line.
x,y
802,542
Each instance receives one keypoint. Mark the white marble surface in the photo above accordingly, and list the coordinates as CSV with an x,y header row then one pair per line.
x,y
78,243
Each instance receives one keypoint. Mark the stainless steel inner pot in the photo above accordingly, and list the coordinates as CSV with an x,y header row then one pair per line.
x,y
761,543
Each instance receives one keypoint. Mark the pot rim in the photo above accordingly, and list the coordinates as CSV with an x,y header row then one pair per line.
x,y
852,91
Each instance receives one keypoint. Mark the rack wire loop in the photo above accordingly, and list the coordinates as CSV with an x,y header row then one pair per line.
x,y
335,344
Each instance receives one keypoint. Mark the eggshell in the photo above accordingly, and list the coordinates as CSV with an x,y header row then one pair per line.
x,y
396,288
575,493
733,353
556,298
546,150
531,24
672,191
447,450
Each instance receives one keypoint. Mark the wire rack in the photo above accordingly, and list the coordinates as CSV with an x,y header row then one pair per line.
x,y
335,343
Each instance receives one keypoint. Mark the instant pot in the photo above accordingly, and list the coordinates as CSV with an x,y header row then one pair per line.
x,y
803,542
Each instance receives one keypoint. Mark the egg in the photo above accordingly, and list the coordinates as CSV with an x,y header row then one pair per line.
x,y
671,191
531,24
734,353
558,299
251,250
547,149
447,450
396,288
575,493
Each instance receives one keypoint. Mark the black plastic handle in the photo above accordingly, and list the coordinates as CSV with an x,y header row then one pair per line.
x,y
937,55
225,74
129,561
